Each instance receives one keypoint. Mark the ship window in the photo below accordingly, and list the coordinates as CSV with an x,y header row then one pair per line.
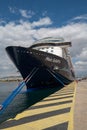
x,y
51,50
30,52
55,68
64,54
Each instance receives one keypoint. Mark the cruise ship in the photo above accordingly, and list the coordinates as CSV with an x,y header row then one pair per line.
x,y
46,62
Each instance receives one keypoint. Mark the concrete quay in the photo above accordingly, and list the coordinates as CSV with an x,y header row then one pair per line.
x,y
80,110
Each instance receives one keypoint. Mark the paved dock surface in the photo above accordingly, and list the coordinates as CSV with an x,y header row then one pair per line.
x,y
80,111
54,112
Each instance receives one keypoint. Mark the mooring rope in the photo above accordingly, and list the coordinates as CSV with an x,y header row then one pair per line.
x,y
8,100
59,80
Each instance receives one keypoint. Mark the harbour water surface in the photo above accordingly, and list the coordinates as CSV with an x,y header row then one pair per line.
x,y
17,105
22,101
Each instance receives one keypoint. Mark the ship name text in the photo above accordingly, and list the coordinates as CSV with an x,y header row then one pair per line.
x,y
53,60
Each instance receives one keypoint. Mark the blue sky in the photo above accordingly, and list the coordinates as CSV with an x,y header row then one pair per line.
x,y
60,11
23,21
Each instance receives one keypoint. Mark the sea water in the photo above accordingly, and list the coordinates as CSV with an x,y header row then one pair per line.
x,y
17,105
24,100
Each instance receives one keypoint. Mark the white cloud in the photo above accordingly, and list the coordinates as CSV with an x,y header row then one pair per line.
x,y
44,13
81,68
2,21
78,19
22,12
81,63
83,54
13,10
42,22
26,14
24,33
81,17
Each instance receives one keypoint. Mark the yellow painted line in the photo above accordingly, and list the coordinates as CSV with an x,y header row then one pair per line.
x,y
54,98
71,125
43,123
67,90
61,94
41,110
50,102
63,91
